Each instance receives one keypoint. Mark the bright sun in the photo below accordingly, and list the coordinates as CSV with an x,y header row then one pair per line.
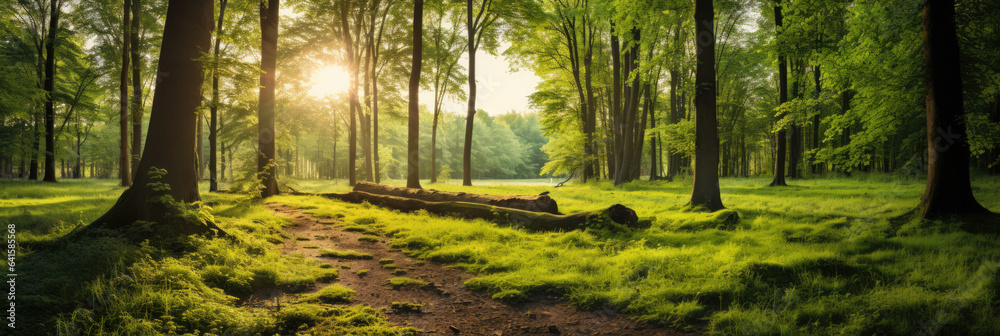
x,y
329,81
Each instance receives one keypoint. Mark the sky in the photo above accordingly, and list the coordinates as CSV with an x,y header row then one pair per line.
x,y
499,91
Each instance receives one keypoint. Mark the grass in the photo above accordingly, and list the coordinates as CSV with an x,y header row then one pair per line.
x,y
819,257
331,294
401,282
106,285
344,254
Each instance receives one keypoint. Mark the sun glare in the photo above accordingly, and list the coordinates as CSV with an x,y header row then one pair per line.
x,y
329,81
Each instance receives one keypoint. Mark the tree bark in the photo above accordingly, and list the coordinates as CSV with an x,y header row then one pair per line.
x,y
779,157
949,191
816,167
706,166
124,157
413,129
136,88
352,133
213,127
266,165
616,97
536,221
471,111
50,75
538,203
170,142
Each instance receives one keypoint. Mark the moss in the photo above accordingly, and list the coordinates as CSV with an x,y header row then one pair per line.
x,y
406,307
361,273
401,282
338,254
331,294
368,238
385,261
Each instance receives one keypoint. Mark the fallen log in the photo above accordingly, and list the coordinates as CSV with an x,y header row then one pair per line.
x,y
537,203
537,221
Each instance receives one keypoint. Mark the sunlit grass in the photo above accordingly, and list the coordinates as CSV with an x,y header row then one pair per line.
x,y
819,257
108,286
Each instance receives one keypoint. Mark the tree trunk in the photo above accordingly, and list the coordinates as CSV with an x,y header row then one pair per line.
x,y
816,167
538,203
949,191
779,157
170,142
136,88
413,129
434,134
50,75
616,98
124,157
266,165
352,133
471,112
706,166
674,164
536,221
213,127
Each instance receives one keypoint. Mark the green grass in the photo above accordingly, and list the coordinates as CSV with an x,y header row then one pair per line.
x,y
401,282
106,285
344,254
331,294
819,257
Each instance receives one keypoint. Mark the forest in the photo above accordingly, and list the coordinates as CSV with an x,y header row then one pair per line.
x,y
500,167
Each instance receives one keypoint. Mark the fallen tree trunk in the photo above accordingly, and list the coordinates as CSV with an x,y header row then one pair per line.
x,y
538,221
537,203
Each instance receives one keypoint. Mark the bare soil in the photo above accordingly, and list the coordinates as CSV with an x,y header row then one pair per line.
x,y
448,307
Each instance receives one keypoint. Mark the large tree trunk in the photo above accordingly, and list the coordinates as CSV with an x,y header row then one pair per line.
x,y
136,88
50,76
413,129
213,127
471,112
170,142
123,148
706,165
538,203
266,165
536,221
948,191
779,156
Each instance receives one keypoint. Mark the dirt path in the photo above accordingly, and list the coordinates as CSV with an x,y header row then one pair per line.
x,y
448,308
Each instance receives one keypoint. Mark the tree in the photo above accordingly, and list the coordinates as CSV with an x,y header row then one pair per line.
x,y
213,128
779,156
136,59
706,164
170,142
948,191
446,46
50,74
413,131
124,159
266,166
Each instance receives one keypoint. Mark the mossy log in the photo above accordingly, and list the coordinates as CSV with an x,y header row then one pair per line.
x,y
537,203
531,220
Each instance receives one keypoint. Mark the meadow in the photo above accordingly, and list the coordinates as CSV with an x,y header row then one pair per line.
x,y
820,257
